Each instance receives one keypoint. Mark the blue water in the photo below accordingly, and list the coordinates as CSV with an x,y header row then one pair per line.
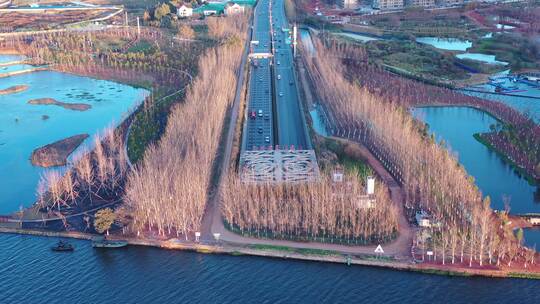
x,y
530,106
489,59
23,129
531,238
14,68
456,125
357,37
9,58
305,37
450,44
318,124
31,273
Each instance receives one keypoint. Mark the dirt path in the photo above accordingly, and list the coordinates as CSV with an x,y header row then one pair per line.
x,y
212,207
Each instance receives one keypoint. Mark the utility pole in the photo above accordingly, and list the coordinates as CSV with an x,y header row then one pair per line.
x,y
138,28
126,17
294,40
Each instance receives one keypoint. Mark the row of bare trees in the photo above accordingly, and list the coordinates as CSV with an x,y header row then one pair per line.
x,y
432,178
91,177
168,190
518,136
325,211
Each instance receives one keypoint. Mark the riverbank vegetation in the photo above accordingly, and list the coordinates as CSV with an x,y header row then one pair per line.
x,y
516,136
464,228
519,144
93,179
168,191
151,59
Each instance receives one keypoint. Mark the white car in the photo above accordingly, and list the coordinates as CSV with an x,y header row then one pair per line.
x,y
278,77
280,94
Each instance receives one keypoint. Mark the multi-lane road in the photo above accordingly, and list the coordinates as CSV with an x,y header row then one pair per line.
x,y
274,116
291,130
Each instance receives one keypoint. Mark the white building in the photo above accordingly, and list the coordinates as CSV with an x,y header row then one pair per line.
x,y
347,4
388,4
233,9
421,3
422,218
184,11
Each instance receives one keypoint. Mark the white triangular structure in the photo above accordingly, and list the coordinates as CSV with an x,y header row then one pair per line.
x,y
379,249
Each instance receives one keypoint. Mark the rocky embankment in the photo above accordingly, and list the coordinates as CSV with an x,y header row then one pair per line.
x,y
69,106
14,89
56,154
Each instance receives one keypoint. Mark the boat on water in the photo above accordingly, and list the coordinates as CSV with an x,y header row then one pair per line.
x,y
102,242
62,246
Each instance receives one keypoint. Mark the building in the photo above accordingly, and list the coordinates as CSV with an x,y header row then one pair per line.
x,y
388,4
423,219
421,3
233,9
210,8
347,4
452,2
220,8
184,11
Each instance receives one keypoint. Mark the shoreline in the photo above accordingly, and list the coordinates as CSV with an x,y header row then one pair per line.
x,y
521,171
332,257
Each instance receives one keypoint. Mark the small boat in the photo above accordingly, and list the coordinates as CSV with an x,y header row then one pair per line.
x,y
62,246
104,243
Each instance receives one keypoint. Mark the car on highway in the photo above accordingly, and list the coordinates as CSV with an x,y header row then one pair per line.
x,y
260,113
278,77
253,115
278,62
280,94
267,139
259,130
291,83
267,117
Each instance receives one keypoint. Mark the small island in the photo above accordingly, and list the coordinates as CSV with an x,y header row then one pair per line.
x,y
56,154
14,89
69,106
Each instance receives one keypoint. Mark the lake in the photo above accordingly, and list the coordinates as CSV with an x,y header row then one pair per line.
x,y
489,59
10,58
31,273
14,68
23,127
494,177
357,37
449,44
531,106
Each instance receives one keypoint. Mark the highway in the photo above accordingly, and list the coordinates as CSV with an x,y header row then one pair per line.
x,y
274,119
259,130
291,131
